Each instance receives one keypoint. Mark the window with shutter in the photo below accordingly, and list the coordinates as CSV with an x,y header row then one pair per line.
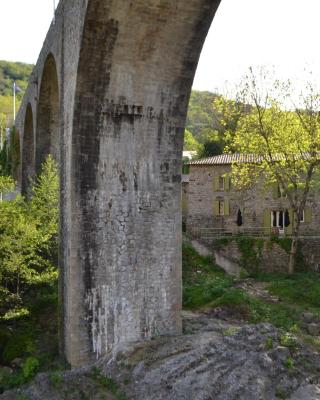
x,y
227,183
216,207
289,228
221,207
221,183
216,183
226,207
308,215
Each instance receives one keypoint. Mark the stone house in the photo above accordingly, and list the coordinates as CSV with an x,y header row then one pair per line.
x,y
213,206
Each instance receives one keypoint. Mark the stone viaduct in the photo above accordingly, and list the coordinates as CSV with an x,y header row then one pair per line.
x,y
108,99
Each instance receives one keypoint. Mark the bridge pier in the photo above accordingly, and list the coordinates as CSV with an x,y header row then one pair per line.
x,y
122,122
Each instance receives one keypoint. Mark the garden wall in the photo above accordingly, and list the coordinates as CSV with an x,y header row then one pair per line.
x,y
265,255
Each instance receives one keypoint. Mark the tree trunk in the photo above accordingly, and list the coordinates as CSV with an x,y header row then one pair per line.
x,y
294,243
293,253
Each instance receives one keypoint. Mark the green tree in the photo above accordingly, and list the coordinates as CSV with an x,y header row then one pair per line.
x,y
213,143
285,142
190,143
28,243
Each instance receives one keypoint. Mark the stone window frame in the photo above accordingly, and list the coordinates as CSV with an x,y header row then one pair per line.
x,y
221,183
303,219
221,207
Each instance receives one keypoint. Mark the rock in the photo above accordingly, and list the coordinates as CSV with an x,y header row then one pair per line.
x,y
202,364
313,329
280,354
307,392
5,370
266,361
138,371
16,363
308,317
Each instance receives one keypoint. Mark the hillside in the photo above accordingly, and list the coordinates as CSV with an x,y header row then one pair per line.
x,y
10,72
201,114
202,119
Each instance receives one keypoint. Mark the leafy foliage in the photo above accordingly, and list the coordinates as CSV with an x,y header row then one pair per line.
x,y
28,243
203,122
212,120
13,71
202,280
10,72
190,143
285,142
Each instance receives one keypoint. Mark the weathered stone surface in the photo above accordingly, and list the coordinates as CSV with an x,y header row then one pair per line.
x,y
307,392
308,317
314,329
108,98
214,359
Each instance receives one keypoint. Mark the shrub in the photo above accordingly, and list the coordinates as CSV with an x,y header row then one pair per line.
x,y
28,244
30,367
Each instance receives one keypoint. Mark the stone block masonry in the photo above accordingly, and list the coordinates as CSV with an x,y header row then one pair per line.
x,y
124,72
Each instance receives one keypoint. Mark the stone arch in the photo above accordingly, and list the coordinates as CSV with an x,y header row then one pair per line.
x,y
136,67
28,153
15,153
47,132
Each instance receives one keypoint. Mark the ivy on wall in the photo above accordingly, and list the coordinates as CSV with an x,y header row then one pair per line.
x,y
251,250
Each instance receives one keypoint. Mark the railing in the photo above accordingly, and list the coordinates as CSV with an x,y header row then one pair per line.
x,y
210,233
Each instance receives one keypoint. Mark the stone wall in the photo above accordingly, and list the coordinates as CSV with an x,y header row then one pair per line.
x,y
264,255
202,196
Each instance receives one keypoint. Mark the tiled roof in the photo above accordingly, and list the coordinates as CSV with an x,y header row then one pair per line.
x,y
223,159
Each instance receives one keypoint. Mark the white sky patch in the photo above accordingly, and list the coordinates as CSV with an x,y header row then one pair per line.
x,y
282,33
279,33
23,28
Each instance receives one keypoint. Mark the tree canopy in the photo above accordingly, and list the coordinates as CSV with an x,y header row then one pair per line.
x,y
10,72
283,137
28,243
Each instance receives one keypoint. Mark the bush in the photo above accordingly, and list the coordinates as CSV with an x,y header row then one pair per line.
x,y
30,367
28,244
18,346
203,281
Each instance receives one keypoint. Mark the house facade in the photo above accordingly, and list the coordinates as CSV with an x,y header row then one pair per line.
x,y
216,207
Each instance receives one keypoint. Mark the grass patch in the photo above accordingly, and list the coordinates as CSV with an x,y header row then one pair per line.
x,y
300,288
108,383
202,280
205,284
255,310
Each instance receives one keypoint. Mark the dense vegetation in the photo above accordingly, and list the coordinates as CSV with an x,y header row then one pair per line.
x,y
10,72
203,132
211,125
28,277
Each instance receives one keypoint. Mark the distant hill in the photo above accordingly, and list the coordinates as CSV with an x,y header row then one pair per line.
x,y
201,113
14,71
201,120
10,72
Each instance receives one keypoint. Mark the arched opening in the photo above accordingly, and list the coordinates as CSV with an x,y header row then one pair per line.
x,y
28,161
128,123
15,154
47,136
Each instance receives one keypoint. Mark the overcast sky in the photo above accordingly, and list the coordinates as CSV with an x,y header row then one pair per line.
x,y
283,33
